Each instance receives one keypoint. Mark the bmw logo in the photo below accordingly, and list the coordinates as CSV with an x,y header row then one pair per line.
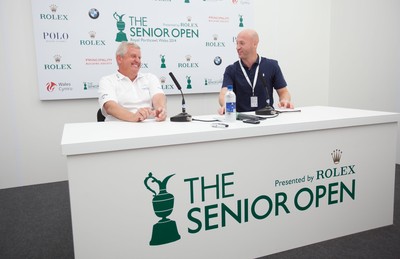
x,y
94,13
217,61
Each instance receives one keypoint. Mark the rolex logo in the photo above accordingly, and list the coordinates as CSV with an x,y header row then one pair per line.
x,y
53,8
92,34
57,58
215,36
162,79
336,155
189,18
188,57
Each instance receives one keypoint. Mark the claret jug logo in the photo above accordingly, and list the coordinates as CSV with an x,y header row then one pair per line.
x,y
162,57
189,82
165,230
241,21
121,36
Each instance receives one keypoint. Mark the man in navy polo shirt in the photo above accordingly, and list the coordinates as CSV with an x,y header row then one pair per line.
x,y
253,78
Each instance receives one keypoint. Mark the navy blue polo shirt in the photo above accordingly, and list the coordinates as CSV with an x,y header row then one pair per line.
x,y
269,69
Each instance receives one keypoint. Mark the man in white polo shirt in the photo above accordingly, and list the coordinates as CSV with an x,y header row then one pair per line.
x,y
129,95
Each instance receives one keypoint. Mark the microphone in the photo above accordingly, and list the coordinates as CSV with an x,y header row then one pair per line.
x,y
183,116
268,109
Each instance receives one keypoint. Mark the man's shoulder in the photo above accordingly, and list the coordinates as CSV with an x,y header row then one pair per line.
x,y
233,66
146,75
113,76
269,61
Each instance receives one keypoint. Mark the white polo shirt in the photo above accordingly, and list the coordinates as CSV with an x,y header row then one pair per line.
x,y
130,95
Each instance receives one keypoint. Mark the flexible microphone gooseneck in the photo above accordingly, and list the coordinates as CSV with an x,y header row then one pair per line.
x,y
183,116
268,109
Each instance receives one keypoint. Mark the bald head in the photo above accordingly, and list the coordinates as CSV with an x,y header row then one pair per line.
x,y
246,46
249,34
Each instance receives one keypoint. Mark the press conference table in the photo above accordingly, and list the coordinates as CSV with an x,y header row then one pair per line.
x,y
189,190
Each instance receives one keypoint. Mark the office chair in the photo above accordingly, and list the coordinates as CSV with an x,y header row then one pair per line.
x,y
100,116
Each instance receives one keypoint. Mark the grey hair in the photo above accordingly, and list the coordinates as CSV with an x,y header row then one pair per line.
x,y
123,48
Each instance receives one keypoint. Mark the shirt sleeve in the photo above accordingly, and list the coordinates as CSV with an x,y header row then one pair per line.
x,y
106,92
228,76
278,79
154,85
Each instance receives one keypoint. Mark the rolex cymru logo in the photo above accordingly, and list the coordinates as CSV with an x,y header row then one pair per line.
x,y
165,230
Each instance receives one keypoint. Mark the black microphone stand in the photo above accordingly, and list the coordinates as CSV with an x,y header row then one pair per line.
x,y
268,109
183,116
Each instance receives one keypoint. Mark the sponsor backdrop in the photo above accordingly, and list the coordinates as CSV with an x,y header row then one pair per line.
x,y
194,39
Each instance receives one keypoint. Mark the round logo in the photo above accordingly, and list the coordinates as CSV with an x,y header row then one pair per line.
x,y
217,60
94,13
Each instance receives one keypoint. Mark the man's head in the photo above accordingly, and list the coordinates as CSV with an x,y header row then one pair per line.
x,y
128,56
246,44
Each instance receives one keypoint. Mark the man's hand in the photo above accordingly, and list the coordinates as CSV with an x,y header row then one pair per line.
x,y
142,114
160,114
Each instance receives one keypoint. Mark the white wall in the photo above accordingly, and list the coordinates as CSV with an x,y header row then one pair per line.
x,y
296,33
306,37
365,56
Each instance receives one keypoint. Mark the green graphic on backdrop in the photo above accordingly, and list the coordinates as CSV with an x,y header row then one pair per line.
x,y
165,230
163,61
241,20
121,36
189,82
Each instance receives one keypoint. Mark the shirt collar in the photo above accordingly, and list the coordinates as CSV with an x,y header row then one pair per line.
x,y
254,64
121,76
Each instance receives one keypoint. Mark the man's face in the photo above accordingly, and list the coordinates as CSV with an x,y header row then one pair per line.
x,y
245,45
130,63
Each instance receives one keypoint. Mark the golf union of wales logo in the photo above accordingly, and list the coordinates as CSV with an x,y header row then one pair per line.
x,y
165,230
121,36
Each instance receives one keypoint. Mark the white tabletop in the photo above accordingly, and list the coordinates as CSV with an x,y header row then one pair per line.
x,y
93,137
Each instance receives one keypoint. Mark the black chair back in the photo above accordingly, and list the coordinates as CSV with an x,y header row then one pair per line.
x,y
100,116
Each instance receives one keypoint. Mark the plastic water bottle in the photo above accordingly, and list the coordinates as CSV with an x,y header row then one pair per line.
x,y
230,105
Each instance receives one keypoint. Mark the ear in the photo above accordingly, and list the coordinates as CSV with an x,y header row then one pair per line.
x,y
118,58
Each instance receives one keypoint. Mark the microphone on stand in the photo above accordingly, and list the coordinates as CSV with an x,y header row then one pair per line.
x,y
183,116
268,109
